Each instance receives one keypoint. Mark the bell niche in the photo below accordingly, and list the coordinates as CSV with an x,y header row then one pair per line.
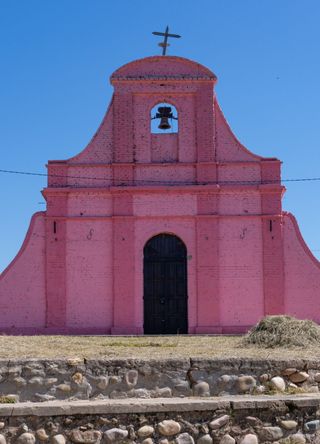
x,y
164,125
164,119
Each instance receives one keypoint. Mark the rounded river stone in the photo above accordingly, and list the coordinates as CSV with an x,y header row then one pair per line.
x,y
168,427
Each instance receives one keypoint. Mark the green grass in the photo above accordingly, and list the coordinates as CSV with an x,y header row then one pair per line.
x,y
7,400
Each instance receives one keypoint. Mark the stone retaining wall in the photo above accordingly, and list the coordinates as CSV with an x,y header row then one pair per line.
x,y
241,420
47,380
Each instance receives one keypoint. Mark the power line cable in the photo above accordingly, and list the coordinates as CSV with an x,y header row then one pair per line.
x,y
146,181
29,173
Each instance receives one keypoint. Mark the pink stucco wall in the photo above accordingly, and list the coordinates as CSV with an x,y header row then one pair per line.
x,y
22,284
88,252
302,274
80,268
240,273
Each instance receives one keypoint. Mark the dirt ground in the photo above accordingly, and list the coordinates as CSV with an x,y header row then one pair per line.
x,y
143,347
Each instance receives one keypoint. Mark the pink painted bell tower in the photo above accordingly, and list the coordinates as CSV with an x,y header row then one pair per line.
x,y
172,230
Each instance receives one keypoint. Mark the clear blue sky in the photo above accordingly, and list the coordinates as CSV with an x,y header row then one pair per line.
x,y
56,57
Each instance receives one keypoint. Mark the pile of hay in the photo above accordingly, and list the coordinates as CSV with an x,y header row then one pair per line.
x,y
283,331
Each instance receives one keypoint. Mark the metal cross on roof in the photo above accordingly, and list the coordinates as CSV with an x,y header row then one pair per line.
x,y
165,43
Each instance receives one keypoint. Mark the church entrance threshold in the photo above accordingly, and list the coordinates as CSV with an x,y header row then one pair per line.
x,y
165,286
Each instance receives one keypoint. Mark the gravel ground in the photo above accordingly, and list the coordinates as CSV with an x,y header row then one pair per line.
x,y
158,347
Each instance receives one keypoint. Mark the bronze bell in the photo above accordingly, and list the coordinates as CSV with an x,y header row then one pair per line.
x,y
164,113
164,124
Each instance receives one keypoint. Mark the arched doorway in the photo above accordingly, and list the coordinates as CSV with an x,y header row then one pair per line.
x,y
165,285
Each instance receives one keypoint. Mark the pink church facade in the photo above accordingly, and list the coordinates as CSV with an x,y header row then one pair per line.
x,y
145,230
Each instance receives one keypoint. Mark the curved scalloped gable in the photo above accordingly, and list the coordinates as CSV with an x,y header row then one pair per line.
x,y
166,68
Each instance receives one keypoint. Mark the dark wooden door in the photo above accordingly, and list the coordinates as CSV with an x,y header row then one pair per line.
x,y
165,286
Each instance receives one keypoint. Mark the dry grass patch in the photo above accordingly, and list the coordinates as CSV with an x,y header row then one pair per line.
x,y
145,347
283,331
